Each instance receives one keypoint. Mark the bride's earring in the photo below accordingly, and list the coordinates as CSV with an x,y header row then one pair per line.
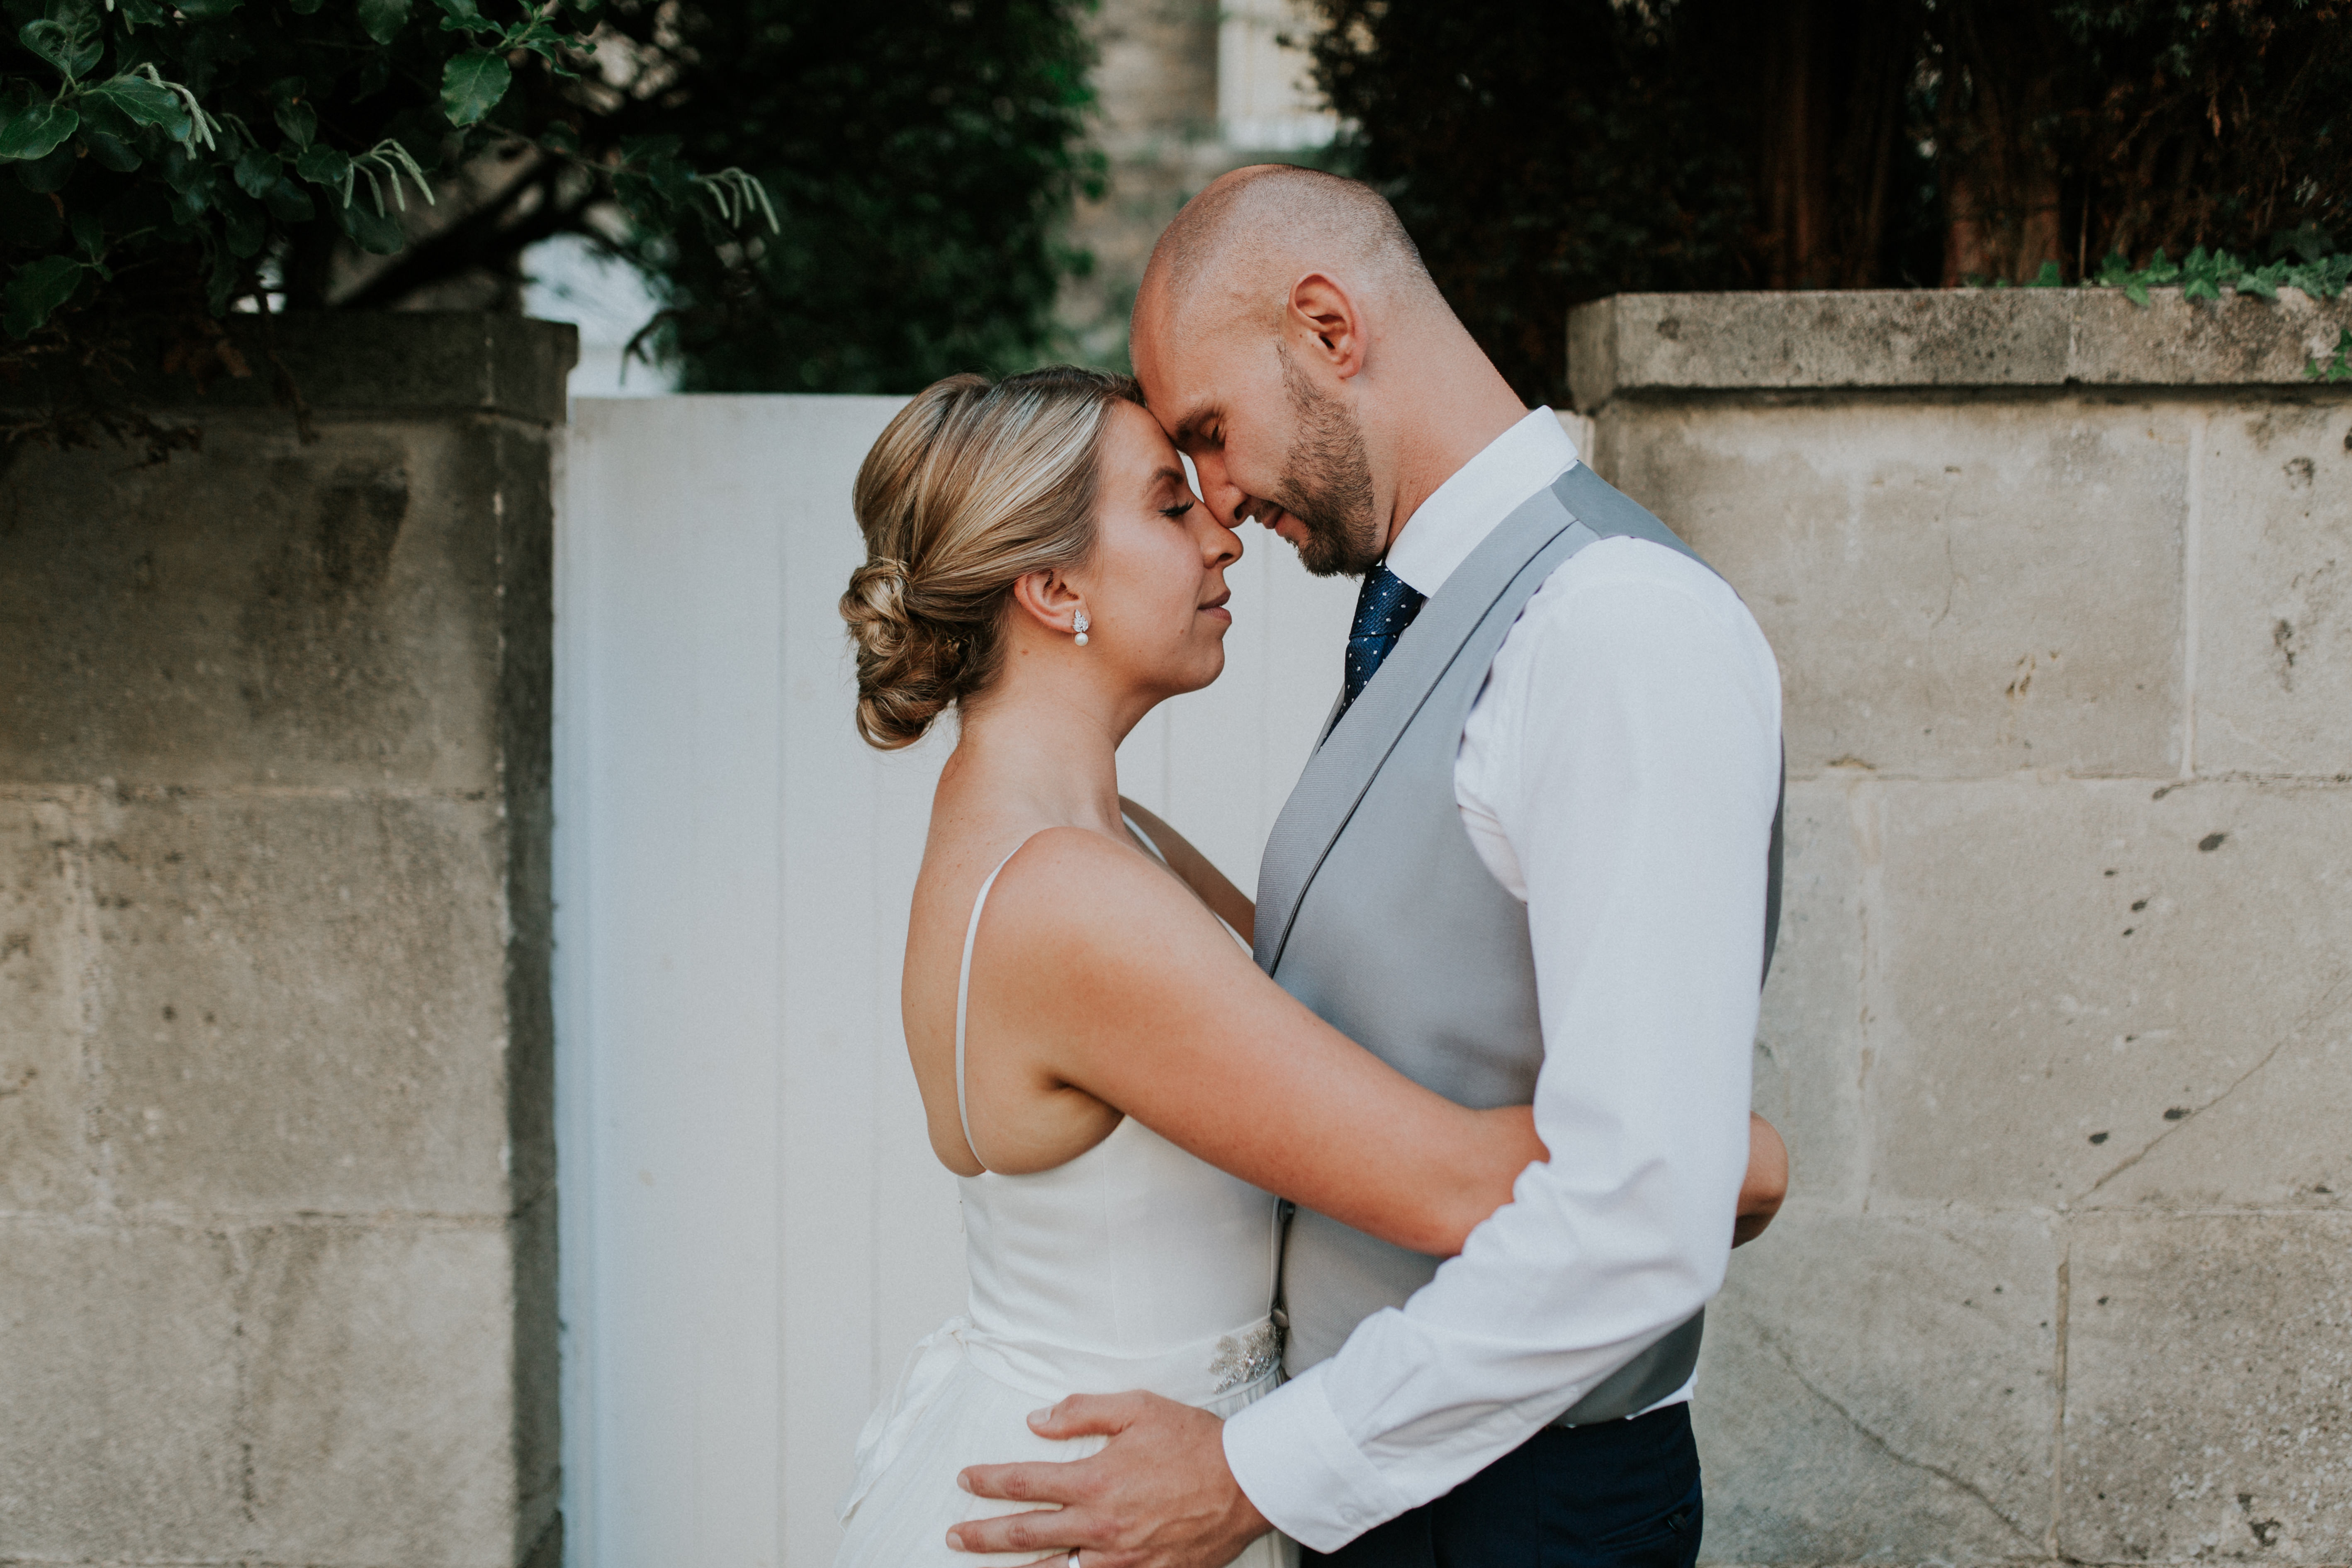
x,y
1080,626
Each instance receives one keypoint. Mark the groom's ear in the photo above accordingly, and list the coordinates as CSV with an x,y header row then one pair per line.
x,y
1326,314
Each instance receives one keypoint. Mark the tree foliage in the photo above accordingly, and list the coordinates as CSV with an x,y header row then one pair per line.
x,y
923,155
1547,151
160,163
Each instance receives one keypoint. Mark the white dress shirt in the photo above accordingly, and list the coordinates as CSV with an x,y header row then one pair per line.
x,y
1618,772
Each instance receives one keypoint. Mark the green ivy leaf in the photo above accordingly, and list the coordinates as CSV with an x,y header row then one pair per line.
x,y
384,19
257,171
323,167
472,84
73,46
35,131
290,202
144,102
299,122
466,16
111,152
36,290
373,232
206,9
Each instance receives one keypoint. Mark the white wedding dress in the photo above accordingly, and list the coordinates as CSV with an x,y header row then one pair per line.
x,y
1134,1266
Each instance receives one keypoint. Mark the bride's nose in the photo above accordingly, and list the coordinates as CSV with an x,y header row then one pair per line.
x,y
1220,545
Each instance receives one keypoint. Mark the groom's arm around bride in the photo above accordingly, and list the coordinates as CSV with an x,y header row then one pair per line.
x,y
1530,854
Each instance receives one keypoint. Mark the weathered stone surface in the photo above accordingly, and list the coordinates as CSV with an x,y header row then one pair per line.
x,y
274,766
1647,344
2067,951
1809,1059
2209,1398
2274,681
1948,597
526,732
302,1004
46,1161
379,1400
537,1397
2065,977
375,362
121,1385
1882,1389
264,613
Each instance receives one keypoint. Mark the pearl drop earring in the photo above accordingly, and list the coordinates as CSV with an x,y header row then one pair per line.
x,y
1080,626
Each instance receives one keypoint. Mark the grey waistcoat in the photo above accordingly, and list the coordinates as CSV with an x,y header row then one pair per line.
x,y
1374,910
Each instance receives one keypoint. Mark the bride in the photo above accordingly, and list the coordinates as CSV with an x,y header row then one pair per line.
x,y
1118,1085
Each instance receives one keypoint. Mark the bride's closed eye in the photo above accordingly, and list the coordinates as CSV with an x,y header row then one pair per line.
x,y
1172,513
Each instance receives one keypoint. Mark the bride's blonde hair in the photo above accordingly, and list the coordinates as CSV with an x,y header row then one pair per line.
x,y
972,486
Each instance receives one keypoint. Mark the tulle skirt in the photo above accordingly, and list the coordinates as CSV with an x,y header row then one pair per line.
x,y
964,1399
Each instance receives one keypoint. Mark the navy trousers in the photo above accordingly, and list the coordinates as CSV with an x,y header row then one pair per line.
x,y
1617,1494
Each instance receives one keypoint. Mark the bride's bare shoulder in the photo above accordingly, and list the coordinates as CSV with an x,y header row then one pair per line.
x,y
1070,889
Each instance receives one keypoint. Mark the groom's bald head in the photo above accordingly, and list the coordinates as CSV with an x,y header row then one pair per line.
x,y
1231,254
1291,344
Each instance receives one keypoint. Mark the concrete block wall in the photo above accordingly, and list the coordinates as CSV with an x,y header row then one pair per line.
x,y
2060,1029
276,1171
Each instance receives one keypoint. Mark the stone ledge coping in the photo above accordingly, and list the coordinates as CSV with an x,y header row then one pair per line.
x,y
387,361
1650,343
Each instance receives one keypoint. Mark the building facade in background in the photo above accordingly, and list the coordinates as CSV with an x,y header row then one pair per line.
x,y
1188,90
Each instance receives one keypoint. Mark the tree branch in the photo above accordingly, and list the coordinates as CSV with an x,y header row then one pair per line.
x,y
481,238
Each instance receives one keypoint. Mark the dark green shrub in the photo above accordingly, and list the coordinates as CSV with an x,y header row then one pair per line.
x,y
1547,151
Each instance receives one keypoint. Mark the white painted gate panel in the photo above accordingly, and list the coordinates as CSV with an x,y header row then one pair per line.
x,y
753,1227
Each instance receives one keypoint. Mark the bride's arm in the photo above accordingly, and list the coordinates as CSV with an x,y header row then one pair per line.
x,y
1760,1194
1128,994
1198,872
1126,990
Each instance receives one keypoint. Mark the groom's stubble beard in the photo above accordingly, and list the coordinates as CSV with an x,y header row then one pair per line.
x,y
1327,483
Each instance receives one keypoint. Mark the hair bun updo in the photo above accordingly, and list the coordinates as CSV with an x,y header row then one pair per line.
x,y
972,486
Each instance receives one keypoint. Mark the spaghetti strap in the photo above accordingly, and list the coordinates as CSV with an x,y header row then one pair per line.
x,y
963,996
963,978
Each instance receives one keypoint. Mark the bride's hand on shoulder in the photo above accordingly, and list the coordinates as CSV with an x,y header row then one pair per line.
x,y
1767,1185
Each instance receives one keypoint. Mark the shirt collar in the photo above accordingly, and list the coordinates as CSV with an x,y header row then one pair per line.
x,y
1461,512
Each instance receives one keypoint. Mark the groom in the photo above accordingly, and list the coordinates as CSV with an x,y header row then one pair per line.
x,y
1528,860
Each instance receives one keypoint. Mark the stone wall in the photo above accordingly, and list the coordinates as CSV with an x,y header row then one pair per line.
x,y
2060,1031
277,1173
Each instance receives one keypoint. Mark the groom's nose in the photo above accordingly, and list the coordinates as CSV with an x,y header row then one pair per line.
x,y
1226,500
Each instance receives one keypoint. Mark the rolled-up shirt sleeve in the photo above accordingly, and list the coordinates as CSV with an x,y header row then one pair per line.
x,y
1628,746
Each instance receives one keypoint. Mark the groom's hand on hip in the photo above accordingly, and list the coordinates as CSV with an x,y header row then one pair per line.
x,y
1158,1496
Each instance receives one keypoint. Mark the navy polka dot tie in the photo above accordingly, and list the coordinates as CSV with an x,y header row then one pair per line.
x,y
1384,607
